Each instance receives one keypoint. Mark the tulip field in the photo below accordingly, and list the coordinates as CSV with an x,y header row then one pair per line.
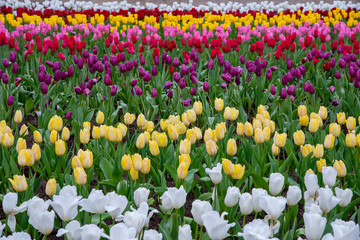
x,y
230,121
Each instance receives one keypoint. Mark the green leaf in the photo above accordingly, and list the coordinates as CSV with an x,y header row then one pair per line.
x,y
259,182
106,168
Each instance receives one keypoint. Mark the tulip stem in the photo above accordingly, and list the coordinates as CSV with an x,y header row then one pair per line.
x,y
244,219
100,221
201,231
197,230
45,236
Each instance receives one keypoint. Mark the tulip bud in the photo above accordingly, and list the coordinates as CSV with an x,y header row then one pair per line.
x,y
318,151
191,135
341,119
129,118
266,133
185,158
24,131
182,170
84,136
258,136
20,145
314,125
60,147
134,174
53,136
173,132
320,164
329,176
248,129
238,172
140,141
141,120
18,116
340,167
299,137
197,107
329,141
26,158
276,183
256,124
36,152
275,149
37,137
293,195
19,183
111,134
344,196
240,129
50,189
209,135
232,196
219,132
95,132
350,140
351,123
335,129
323,112
8,140
306,149
146,166
302,111
191,115
231,147
304,121
80,176
228,166
162,140
185,146
219,104
280,139
87,125
245,203
86,158
75,162
65,134
211,147
137,162
100,117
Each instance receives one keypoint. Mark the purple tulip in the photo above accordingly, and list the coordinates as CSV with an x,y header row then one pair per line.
x,y
264,64
122,57
186,61
134,82
107,80
326,55
104,98
15,68
129,65
273,68
268,74
168,59
356,84
283,93
193,91
297,73
335,102
41,76
221,59
182,84
75,59
248,78
291,90
223,85
156,60
186,103
71,71
184,70
237,80
154,71
86,91
113,90
284,80
194,79
273,90
44,88
12,56
80,63
311,89
56,66
147,77
192,67
170,94
337,74
141,72
78,90
95,49
68,115
138,91
176,77
5,78
113,60
168,85
122,68
342,63
142,60
292,98
227,66
85,54
47,79
5,62
10,100
206,86
50,64
154,93
57,75
176,62
226,77
310,57
242,59
352,72
289,63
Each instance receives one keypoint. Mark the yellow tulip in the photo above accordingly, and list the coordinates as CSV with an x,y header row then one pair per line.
x,y
261,108
24,131
180,126
219,104
198,133
231,147
302,111
350,140
240,129
145,125
228,166
57,123
100,117
304,121
335,129
275,150
266,133
134,174
20,144
19,183
280,139
173,132
149,126
111,134
75,162
103,130
86,158
329,141
260,118
190,135
36,151
119,135
137,161
146,166
87,125
209,135
340,167
185,147
123,129
65,134
320,164
129,118
299,137
306,149
182,170
126,162
80,176
248,129
191,115
219,132
351,123
238,171
37,137
84,136
140,141
211,147
60,147
265,115
323,112
227,113
309,171
256,124
7,140
197,107
26,158
341,119
18,116
162,140
164,124
358,139
54,136
185,158
154,149
50,188
95,132
141,121
258,136
184,119
318,151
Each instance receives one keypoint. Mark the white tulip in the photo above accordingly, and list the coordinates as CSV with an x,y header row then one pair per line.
x,y
257,193
257,229
328,236
327,200
173,198
95,203
311,183
293,195
72,231
314,226
18,236
313,208
185,232
216,226
273,206
92,232
43,221
215,173
198,209
345,230
138,218
246,203
2,227
66,203
232,196
344,196
116,204
9,207
121,232
329,176
141,195
152,235
36,205
276,183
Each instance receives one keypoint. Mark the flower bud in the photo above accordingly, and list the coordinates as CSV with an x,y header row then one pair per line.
x,y
95,132
276,183
350,140
340,167
258,136
60,147
320,164
100,117
141,120
173,132
299,137
19,183
323,112
306,149
240,129
280,139
197,107
26,158
65,134
231,147
140,141
219,104
182,170
50,189
18,116
335,129
36,152
228,166
302,111
146,166
318,151
211,147
80,176
275,149
341,119
185,146
37,137
219,132
329,141
238,172
248,129
134,174
129,118
75,162
84,136
304,121
20,144
351,123
137,162
314,125
8,140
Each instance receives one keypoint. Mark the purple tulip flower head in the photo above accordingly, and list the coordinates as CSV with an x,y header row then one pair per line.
x,y
273,90
331,88
15,68
68,115
113,90
154,93
10,100
283,93
138,91
12,56
206,86
44,88
5,62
